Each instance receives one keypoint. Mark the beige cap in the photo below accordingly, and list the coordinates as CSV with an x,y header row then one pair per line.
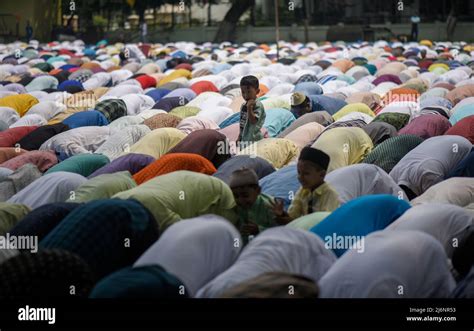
x,y
297,98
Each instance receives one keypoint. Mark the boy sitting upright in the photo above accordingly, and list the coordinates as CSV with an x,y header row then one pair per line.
x,y
253,208
315,194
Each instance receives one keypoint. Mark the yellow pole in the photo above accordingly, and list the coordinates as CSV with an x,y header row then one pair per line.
x,y
59,13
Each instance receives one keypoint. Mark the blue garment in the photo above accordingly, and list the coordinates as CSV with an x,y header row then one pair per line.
x,y
359,217
220,67
465,288
453,64
3,126
277,120
179,54
168,104
465,168
158,93
62,156
326,78
89,52
181,92
462,112
86,118
67,66
146,282
322,102
308,88
67,83
103,42
282,183
234,118
261,167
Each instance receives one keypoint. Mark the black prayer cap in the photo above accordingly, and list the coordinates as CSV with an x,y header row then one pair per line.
x,y
316,156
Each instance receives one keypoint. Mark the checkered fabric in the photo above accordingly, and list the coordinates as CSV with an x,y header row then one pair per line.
x,y
45,274
112,108
107,234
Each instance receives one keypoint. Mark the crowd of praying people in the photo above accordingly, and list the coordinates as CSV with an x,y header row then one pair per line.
x,y
184,170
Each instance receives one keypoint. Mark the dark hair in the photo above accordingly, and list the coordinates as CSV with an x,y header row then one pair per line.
x,y
250,186
251,81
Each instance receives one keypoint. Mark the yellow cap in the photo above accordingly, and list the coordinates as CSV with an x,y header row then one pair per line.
x,y
297,98
426,43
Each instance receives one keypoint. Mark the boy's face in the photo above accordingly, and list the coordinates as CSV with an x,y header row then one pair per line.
x,y
309,175
249,92
245,196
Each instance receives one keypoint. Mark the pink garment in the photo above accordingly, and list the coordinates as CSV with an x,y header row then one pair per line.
x,y
426,126
43,160
305,134
195,123
232,132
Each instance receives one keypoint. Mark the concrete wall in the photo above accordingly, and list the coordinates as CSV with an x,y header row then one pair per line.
x,y
432,31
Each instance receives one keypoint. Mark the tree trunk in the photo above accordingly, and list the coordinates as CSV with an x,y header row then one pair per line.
x,y
109,13
88,30
228,25
306,21
452,19
252,15
209,15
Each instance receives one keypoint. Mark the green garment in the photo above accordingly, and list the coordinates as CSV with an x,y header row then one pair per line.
x,y
251,132
185,111
416,85
306,222
372,69
10,214
82,164
103,187
388,153
398,120
181,195
260,213
44,66
347,79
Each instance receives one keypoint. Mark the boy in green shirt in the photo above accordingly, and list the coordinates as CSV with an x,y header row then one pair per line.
x,y
315,194
252,112
254,209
